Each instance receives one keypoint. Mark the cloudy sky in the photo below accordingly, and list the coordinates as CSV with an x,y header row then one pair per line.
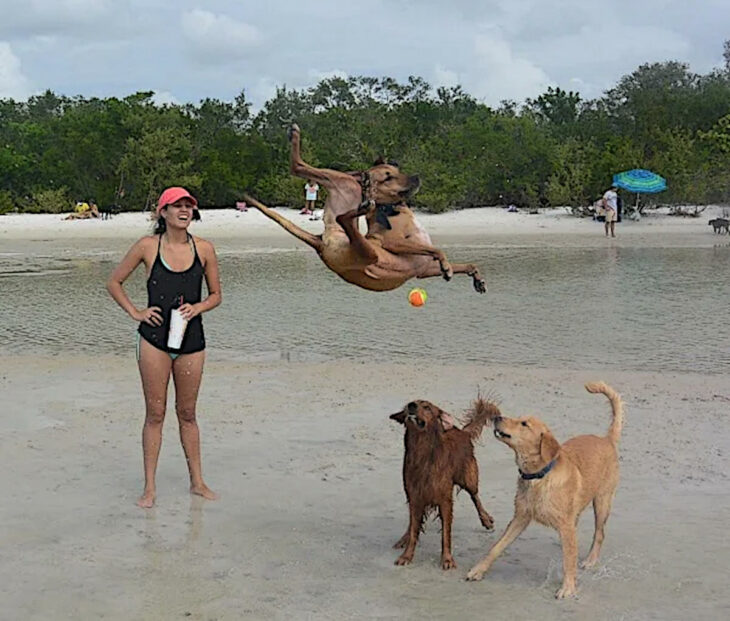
x,y
186,50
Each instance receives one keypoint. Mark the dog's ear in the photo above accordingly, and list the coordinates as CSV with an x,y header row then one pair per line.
x,y
379,161
447,421
549,446
393,163
399,417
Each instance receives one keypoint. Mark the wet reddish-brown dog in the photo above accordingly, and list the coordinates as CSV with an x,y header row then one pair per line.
x,y
437,457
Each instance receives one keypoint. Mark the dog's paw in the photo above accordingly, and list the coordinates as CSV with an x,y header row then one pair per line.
x,y
566,591
293,131
403,560
475,574
448,562
588,563
487,521
480,285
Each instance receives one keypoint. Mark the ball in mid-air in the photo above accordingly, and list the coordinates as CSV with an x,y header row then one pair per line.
x,y
417,297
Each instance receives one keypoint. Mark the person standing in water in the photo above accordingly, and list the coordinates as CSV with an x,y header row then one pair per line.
x,y
176,263
610,204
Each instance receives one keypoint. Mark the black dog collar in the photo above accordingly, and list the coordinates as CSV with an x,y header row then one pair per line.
x,y
385,211
538,475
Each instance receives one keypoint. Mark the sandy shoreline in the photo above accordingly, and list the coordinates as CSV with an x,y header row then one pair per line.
x,y
308,467
218,224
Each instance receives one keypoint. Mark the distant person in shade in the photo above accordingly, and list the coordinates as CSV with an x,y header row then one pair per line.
x,y
610,206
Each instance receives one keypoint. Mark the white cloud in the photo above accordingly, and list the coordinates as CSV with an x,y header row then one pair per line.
x,y
262,90
162,98
217,38
496,49
501,74
595,58
444,77
13,84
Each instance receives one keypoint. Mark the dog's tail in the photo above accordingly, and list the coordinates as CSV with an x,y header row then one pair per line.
x,y
614,431
482,413
308,238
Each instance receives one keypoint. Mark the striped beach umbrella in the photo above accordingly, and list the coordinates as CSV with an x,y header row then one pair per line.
x,y
640,181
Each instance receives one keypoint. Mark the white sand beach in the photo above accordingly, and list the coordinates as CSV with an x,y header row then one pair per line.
x,y
226,223
308,467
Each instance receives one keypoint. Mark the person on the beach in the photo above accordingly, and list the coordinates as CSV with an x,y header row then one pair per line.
x,y
310,189
176,264
84,211
610,205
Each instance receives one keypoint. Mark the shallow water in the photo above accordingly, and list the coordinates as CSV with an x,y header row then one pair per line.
x,y
548,305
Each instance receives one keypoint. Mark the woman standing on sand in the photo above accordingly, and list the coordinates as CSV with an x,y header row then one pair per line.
x,y
176,263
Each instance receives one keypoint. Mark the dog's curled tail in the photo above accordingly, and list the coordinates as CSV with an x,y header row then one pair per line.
x,y
614,431
482,413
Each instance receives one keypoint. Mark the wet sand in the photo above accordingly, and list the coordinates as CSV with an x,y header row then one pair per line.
x,y
308,468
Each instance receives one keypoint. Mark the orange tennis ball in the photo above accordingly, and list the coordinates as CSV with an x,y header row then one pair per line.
x,y
417,297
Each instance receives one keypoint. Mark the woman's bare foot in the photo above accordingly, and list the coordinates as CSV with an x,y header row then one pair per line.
x,y
204,491
147,500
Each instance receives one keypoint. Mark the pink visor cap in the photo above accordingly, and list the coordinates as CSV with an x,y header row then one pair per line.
x,y
172,195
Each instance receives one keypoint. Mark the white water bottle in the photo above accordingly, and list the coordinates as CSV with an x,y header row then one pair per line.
x,y
178,324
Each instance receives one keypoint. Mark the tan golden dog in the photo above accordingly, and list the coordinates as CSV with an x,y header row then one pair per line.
x,y
396,247
557,482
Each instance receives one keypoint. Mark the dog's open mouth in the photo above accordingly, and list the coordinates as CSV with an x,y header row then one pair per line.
x,y
500,434
416,421
408,192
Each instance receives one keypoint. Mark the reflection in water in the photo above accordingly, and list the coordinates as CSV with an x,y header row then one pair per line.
x,y
599,307
195,522
170,548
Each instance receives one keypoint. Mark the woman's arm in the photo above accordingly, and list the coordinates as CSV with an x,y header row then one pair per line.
x,y
212,281
121,272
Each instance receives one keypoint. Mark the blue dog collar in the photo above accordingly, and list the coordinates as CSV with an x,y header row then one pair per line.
x,y
538,475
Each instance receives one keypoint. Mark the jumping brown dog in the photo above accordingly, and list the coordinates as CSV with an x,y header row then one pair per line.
x,y
437,457
396,247
557,482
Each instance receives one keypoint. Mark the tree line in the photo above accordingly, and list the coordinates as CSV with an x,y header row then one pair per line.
x,y
556,149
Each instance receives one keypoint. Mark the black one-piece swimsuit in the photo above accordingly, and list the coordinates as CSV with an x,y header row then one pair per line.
x,y
165,288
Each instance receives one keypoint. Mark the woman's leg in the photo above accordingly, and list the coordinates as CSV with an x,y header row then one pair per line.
x,y
154,368
187,372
